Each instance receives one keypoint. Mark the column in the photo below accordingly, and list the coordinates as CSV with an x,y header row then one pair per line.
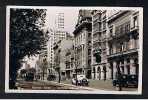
x,y
102,73
95,72
125,67
108,71
92,74
132,66
114,69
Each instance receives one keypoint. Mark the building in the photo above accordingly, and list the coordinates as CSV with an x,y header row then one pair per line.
x,y
82,45
55,34
69,61
116,37
123,42
60,50
99,41
60,21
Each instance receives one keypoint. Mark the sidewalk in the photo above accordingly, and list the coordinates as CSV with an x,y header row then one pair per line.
x,y
102,85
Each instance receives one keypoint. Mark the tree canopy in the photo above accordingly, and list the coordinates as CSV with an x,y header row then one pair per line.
x,y
27,36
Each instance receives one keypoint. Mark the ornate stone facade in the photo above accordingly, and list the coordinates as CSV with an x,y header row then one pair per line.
x,y
117,36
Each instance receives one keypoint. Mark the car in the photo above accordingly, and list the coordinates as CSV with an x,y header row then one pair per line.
x,y
80,80
126,81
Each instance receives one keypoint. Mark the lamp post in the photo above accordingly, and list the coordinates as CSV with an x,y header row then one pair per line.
x,y
119,72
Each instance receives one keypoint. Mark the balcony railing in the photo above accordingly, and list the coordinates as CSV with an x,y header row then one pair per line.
x,y
123,53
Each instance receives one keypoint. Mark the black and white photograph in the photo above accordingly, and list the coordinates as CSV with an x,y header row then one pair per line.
x,y
80,50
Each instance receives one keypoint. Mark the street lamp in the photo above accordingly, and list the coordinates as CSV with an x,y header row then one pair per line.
x,y
119,72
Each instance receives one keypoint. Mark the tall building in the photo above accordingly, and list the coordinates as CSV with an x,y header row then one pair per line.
x,y
82,45
60,21
55,34
115,36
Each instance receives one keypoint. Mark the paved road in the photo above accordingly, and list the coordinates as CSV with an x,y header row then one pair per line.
x,y
47,85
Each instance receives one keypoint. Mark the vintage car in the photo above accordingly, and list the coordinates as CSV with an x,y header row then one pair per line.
x,y
81,80
126,81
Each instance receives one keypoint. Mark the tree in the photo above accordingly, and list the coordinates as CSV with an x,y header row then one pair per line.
x,y
27,37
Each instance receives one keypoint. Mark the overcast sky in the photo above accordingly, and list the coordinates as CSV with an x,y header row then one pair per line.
x,y
70,18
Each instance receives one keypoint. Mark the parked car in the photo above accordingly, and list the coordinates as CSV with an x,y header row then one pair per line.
x,y
126,81
81,80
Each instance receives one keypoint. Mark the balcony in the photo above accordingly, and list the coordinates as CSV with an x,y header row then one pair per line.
x,y
119,54
85,22
97,31
120,31
116,15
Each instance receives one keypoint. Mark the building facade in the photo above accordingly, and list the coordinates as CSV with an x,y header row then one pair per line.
x,y
123,43
69,61
61,64
99,30
82,45
60,21
116,35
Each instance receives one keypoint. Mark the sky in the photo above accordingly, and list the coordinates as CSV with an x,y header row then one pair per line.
x,y
70,18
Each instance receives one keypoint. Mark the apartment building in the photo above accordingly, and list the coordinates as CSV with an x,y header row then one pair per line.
x,y
82,45
115,36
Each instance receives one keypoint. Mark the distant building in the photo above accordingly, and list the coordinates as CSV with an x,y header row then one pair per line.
x,y
82,45
60,51
60,21
55,36
70,62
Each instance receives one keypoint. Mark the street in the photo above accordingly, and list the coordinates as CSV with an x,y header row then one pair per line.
x,y
66,85
47,85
